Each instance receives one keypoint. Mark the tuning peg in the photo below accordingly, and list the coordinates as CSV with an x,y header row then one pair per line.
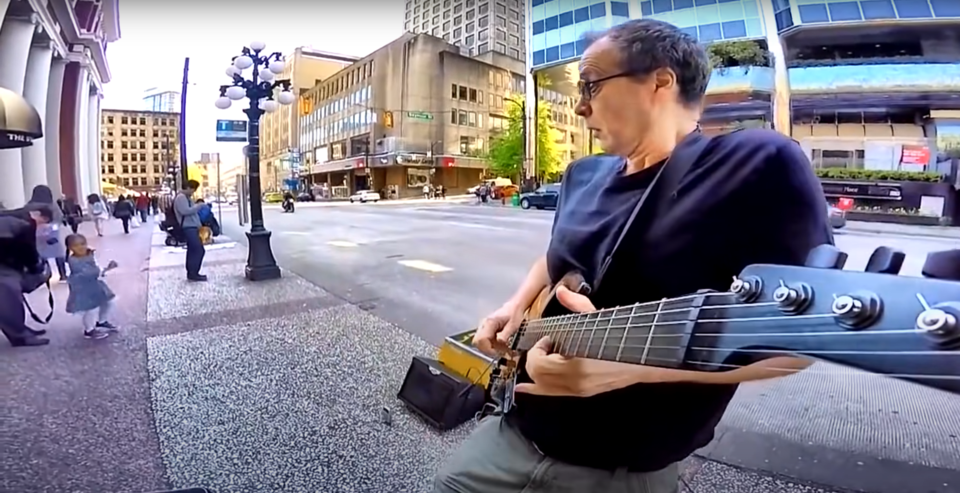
x,y
943,265
826,257
885,260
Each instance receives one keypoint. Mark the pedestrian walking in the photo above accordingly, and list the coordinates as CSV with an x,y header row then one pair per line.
x,y
188,216
89,297
143,206
124,211
99,212
72,213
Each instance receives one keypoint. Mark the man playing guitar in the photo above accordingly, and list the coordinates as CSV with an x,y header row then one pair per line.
x,y
748,197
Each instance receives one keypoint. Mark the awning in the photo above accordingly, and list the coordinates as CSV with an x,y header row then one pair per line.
x,y
19,121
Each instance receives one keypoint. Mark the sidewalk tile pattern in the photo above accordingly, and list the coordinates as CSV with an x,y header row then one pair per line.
x,y
292,404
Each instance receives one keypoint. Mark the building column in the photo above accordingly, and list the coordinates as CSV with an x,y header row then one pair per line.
x,y
93,141
34,160
15,38
782,119
51,130
83,140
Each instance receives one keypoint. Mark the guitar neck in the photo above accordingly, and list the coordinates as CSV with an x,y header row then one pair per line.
x,y
646,333
717,331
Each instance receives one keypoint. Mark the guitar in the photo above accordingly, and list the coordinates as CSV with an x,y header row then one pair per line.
x,y
772,317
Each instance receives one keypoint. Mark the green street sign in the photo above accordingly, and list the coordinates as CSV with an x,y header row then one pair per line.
x,y
419,115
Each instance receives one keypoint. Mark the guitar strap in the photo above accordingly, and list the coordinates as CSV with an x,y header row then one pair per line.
x,y
662,189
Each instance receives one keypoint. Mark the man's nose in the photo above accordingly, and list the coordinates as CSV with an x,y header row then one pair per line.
x,y
582,109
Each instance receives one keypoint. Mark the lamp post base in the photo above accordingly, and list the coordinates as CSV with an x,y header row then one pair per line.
x,y
261,265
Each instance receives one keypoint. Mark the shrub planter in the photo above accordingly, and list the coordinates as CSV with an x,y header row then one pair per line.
x,y
884,217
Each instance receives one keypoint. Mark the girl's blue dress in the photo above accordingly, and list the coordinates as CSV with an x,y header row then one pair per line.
x,y
87,289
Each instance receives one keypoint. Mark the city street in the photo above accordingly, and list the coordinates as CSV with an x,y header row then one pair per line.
x,y
435,269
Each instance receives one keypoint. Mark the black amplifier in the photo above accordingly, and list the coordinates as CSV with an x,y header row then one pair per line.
x,y
440,396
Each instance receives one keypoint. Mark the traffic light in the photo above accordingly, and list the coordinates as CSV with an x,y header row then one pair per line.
x,y
388,119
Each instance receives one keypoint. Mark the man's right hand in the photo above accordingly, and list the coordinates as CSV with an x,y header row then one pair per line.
x,y
493,335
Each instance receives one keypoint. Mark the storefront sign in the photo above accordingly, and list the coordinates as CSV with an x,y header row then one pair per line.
x,y
915,155
861,190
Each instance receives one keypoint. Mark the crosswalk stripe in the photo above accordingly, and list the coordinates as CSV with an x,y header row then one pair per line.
x,y
424,265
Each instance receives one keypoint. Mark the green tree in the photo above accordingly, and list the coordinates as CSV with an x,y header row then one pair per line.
x,y
505,155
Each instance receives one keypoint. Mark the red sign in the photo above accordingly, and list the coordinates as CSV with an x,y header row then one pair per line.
x,y
845,204
915,155
359,163
447,162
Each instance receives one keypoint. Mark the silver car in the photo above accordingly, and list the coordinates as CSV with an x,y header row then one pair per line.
x,y
837,217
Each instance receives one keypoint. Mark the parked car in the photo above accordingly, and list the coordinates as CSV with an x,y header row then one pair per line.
x,y
838,218
364,196
273,197
544,197
305,197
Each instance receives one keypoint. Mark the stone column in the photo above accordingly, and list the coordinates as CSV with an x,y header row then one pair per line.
x,y
15,38
93,141
51,138
83,139
34,160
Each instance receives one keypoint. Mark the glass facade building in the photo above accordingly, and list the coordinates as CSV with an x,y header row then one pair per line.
x,y
852,78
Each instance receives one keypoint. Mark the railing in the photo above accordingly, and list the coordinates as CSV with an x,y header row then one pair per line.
x,y
890,77
902,153
340,192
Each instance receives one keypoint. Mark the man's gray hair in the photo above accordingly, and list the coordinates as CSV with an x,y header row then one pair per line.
x,y
647,45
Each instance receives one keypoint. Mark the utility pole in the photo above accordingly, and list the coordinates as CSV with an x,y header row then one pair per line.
x,y
183,124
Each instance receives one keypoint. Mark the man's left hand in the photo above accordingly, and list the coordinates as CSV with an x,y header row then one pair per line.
x,y
557,375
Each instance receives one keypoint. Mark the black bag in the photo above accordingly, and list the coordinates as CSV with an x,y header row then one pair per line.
x,y
31,282
442,398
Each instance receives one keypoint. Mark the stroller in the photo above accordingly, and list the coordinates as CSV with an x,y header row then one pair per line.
x,y
174,230
171,226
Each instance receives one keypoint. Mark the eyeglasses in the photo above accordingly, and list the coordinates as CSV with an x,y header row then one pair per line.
x,y
589,88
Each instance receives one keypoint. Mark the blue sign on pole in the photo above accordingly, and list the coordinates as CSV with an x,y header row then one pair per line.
x,y
231,131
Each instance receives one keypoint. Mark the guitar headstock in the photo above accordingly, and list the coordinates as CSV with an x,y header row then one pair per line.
x,y
905,327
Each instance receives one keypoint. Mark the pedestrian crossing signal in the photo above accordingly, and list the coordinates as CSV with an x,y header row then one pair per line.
x,y
388,119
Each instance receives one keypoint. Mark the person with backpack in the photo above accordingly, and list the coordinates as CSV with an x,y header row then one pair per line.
x,y
188,216
99,212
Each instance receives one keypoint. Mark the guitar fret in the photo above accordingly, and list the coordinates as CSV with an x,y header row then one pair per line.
x,y
606,333
653,327
593,331
626,329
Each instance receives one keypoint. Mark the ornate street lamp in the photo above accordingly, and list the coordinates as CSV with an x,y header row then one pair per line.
x,y
259,89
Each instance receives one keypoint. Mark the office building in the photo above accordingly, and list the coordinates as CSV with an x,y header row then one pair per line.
x,y
869,85
54,54
165,100
417,111
478,26
278,130
140,150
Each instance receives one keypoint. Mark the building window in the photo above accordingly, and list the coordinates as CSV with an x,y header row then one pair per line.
x,y
463,93
418,177
453,91
123,120
110,120
462,118
473,95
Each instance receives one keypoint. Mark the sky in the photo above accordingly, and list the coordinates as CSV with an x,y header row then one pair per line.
x,y
156,36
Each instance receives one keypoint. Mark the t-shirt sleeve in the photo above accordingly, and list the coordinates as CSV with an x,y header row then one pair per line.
x,y
792,217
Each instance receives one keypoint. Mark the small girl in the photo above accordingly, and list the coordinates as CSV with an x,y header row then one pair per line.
x,y
89,296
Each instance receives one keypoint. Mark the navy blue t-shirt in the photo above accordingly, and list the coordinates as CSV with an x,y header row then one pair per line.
x,y
751,197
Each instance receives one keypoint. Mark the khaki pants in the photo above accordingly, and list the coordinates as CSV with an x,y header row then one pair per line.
x,y
497,459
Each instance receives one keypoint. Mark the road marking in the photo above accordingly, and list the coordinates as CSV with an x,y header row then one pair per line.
x,y
342,244
424,265
298,233
474,226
